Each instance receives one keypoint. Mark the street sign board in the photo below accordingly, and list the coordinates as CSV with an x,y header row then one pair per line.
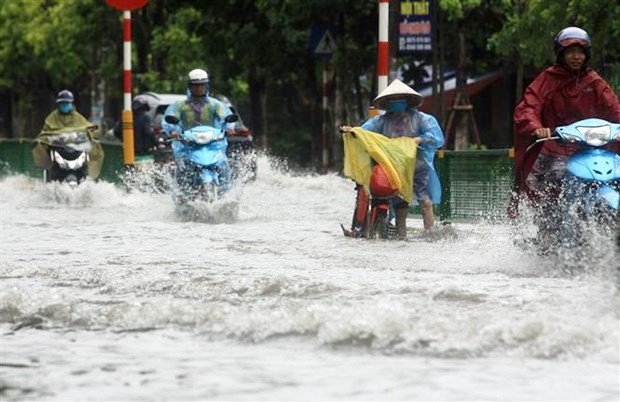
x,y
127,5
415,26
322,42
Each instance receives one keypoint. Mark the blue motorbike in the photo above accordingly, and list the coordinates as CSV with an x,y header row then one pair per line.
x,y
590,197
202,170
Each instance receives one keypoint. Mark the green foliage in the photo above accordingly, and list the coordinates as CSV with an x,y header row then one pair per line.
x,y
257,53
181,44
456,9
614,77
530,27
56,39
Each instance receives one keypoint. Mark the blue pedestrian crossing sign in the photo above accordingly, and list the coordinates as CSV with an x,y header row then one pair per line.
x,y
322,42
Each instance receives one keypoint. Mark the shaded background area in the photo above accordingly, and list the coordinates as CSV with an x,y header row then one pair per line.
x,y
258,54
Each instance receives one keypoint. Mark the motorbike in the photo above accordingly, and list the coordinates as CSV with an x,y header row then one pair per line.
x,y
371,216
202,170
69,155
590,194
370,162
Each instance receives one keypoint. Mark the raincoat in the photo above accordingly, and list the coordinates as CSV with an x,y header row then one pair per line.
x,y
396,155
56,123
558,97
191,113
413,123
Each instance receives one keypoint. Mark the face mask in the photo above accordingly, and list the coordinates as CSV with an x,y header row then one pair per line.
x,y
65,107
396,106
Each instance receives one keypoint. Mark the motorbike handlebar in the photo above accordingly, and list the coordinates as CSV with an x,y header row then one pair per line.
x,y
538,141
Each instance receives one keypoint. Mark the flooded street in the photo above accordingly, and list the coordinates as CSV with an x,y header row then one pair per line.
x,y
107,295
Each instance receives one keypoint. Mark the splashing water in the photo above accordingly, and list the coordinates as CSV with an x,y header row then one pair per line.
x,y
106,294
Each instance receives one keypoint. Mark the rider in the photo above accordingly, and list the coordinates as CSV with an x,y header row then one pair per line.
x,y
562,94
65,116
402,119
144,138
199,108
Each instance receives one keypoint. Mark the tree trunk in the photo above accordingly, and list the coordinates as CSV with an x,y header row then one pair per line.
x,y
519,83
258,106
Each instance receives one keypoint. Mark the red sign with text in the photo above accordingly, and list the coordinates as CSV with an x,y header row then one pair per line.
x,y
127,5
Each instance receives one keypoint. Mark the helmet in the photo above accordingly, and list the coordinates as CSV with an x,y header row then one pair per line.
x,y
197,77
572,36
139,103
64,96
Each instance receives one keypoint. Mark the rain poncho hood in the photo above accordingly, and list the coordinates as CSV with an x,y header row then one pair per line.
x,y
396,156
58,123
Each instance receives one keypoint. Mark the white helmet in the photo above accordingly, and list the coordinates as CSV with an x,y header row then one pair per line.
x,y
198,76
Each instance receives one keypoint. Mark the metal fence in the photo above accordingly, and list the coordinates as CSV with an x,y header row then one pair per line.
x,y
475,184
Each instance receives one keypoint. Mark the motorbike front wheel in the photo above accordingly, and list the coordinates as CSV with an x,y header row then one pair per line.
x,y
379,220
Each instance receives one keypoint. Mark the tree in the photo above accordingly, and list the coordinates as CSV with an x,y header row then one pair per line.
x,y
530,27
43,44
257,53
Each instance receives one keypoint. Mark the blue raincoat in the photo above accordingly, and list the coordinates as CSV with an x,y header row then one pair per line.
x,y
197,112
413,123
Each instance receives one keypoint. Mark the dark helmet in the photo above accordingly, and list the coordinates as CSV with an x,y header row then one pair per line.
x,y
64,96
140,103
571,36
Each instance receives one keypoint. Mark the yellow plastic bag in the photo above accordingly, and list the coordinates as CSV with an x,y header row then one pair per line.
x,y
395,155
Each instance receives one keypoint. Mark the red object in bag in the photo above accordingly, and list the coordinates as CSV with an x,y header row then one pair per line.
x,y
380,186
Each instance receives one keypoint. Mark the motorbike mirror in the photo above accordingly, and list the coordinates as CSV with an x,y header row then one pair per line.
x,y
231,118
171,119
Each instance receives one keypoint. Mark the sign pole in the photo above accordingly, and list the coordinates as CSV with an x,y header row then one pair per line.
x,y
324,108
322,45
127,118
128,139
382,48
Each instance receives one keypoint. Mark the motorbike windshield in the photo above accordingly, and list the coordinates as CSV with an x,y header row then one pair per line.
x,y
71,140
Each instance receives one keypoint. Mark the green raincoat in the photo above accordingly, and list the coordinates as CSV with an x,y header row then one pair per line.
x,y
57,123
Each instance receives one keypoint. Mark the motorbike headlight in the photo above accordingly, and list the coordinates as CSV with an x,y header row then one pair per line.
x,y
596,136
203,137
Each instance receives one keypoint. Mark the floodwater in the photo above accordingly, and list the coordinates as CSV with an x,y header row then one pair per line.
x,y
107,295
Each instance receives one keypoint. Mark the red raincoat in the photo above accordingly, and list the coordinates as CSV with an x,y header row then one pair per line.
x,y
558,97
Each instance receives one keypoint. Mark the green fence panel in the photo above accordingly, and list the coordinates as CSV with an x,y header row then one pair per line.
x,y
475,184
113,163
16,157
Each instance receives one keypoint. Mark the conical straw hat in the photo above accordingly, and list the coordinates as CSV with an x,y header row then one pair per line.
x,y
398,90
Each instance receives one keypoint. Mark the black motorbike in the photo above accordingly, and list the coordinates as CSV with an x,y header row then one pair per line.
x,y
68,151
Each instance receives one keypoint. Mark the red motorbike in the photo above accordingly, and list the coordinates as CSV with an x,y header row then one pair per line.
x,y
371,217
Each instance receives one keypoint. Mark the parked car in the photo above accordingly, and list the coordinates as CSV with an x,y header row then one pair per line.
x,y
241,148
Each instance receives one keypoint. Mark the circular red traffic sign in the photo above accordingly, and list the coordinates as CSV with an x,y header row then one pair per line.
x,y
127,5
